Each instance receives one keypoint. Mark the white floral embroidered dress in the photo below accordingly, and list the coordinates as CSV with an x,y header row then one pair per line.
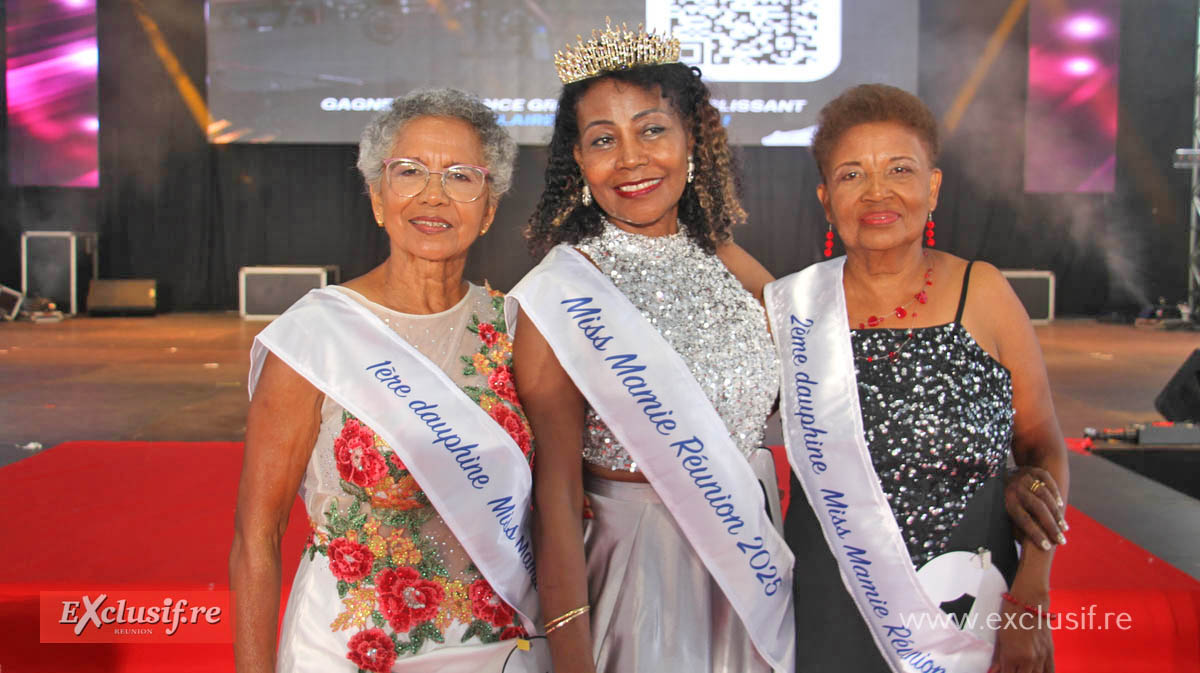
x,y
383,582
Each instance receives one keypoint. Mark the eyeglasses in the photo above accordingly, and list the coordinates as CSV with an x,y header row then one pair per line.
x,y
462,182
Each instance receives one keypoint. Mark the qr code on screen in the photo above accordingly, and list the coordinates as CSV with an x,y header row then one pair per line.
x,y
754,40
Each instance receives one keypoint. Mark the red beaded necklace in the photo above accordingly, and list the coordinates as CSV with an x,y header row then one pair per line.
x,y
901,312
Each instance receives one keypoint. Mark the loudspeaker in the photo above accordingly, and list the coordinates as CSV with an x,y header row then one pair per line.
x,y
1180,400
264,292
135,296
56,265
1035,289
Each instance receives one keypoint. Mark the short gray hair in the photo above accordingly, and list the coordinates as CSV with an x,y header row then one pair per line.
x,y
499,149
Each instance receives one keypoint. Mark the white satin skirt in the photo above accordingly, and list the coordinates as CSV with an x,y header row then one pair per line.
x,y
308,645
654,605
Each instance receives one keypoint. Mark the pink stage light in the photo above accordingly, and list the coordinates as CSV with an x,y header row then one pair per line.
x,y
52,93
1080,66
86,58
1084,27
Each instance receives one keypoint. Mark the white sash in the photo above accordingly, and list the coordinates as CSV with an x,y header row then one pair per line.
x,y
822,424
468,466
645,393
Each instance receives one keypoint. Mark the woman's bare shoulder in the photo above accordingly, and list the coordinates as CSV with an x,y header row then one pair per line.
x,y
749,271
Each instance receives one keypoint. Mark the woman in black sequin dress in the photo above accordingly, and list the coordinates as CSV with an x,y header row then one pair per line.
x,y
950,381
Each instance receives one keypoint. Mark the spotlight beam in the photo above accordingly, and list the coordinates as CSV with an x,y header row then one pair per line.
x,y
187,90
994,44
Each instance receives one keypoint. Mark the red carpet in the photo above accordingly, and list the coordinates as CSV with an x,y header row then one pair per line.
x,y
160,516
136,514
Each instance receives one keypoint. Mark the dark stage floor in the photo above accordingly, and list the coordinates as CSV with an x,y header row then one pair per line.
x,y
182,377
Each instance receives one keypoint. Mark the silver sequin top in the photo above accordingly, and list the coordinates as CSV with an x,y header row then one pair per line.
x,y
704,313
939,423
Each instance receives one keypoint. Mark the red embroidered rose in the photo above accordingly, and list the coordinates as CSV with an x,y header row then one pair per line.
x,y
349,560
357,460
372,650
353,428
501,382
486,605
405,599
513,425
513,632
395,460
488,333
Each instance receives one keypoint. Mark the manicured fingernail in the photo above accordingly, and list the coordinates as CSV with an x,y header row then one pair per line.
x,y
1063,525
1045,545
1062,539
1060,502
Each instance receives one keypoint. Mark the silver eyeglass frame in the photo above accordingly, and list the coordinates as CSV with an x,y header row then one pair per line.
x,y
387,163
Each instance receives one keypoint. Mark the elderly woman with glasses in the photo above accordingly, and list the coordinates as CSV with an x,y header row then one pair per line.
x,y
388,404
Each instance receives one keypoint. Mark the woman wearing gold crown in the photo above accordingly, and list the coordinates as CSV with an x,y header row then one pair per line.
x,y
643,361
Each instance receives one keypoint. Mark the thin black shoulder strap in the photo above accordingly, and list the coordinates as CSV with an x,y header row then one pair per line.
x,y
962,298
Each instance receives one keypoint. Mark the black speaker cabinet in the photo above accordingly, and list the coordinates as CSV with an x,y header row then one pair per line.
x,y
1180,400
266,291
1035,289
57,265
132,296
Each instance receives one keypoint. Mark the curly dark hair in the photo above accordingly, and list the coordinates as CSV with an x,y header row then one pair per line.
x,y
709,205
867,103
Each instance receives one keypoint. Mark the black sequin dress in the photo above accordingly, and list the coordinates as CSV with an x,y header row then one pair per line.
x,y
938,420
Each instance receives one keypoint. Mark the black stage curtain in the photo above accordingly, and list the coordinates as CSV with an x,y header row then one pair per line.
x,y
175,208
156,213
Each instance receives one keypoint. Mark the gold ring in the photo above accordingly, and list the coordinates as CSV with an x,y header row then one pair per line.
x,y
1037,483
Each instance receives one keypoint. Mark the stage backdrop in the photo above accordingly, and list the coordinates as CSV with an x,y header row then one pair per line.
x,y
174,207
289,71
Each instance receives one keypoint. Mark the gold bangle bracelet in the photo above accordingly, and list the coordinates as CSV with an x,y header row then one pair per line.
x,y
562,620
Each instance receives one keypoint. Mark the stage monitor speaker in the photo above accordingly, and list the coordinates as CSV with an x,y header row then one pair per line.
x,y
132,296
264,292
10,302
1035,289
1180,399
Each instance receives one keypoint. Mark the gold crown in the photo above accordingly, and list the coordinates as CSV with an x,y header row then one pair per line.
x,y
614,49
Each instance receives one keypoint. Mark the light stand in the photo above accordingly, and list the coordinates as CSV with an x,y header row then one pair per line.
x,y
1189,158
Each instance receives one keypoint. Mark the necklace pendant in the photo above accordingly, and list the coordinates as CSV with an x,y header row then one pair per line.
x,y
900,312
873,321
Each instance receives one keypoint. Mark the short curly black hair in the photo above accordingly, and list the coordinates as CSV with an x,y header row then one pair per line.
x,y
867,103
709,205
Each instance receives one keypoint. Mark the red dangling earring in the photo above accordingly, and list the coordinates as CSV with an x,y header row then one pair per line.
x,y
829,241
929,241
